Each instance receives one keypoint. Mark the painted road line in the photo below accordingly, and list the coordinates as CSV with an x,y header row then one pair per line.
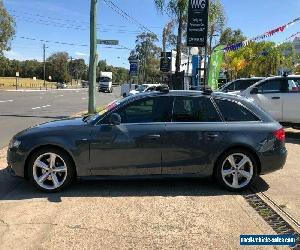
x,y
6,101
45,106
83,98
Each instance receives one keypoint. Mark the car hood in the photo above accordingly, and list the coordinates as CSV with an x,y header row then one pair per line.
x,y
60,126
61,123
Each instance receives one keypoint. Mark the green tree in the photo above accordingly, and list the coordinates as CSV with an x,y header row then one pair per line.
x,y
7,28
77,68
57,67
230,36
149,56
216,21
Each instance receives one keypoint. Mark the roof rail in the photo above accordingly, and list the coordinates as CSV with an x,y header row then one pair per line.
x,y
207,91
164,88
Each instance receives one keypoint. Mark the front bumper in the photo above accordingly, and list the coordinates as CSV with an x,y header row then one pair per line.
x,y
16,162
103,88
274,160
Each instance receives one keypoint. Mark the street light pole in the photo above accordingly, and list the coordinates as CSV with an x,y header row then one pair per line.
x,y
93,57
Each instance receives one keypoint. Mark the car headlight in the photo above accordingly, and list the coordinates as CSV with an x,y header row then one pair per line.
x,y
14,144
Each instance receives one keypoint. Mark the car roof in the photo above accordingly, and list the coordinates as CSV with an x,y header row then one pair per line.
x,y
189,93
275,77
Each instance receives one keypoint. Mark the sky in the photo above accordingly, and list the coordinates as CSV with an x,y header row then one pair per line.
x,y
67,21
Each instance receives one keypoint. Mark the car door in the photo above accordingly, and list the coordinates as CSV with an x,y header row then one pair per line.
x,y
269,97
291,101
192,137
134,146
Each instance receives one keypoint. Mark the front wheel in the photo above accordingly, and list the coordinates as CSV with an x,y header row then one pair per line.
x,y
51,169
236,170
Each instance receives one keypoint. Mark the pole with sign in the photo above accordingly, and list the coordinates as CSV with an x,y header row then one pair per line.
x,y
17,79
197,27
108,42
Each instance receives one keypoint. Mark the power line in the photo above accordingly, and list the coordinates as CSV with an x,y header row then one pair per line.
x,y
79,23
71,44
60,25
122,13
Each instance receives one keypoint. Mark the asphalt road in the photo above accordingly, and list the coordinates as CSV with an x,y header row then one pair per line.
x,y
22,109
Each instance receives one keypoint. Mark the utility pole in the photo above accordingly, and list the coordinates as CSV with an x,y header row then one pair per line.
x,y
93,57
71,69
44,57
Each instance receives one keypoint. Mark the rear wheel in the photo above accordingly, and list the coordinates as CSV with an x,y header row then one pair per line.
x,y
236,170
51,169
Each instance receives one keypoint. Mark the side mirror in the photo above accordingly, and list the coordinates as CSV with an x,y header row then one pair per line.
x,y
254,91
115,119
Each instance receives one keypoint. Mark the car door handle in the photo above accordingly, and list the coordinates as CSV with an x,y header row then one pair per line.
x,y
153,137
275,97
212,136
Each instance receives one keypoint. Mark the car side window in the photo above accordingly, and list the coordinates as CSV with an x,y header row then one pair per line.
x,y
234,111
194,109
272,86
155,109
294,85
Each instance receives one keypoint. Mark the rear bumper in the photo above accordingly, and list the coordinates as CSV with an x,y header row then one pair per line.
x,y
273,160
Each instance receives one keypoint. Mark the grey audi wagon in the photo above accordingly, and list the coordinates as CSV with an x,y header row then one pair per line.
x,y
156,134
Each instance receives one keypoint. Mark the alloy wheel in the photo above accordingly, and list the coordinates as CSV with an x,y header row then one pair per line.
x,y
237,170
50,171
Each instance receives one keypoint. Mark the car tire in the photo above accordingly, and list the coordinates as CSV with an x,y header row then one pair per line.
x,y
236,170
51,169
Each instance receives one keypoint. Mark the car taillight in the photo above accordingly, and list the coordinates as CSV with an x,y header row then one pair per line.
x,y
280,134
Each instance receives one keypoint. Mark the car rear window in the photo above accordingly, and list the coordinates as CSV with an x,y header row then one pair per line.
x,y
194,109
234,111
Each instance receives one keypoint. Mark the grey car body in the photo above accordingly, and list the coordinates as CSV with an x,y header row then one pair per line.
x,y
164,148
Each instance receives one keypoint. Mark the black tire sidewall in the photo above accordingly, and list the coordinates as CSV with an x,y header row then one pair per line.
x,y
67,159
220,161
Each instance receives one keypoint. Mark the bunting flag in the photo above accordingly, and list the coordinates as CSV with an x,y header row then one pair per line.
x,y
261,37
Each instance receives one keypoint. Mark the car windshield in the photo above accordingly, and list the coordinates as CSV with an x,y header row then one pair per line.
x,y
105,79
141,88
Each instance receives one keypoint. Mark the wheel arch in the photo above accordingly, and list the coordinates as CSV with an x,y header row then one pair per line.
x,y
239,146
47,146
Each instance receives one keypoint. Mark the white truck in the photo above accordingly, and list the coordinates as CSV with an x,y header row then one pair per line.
x,y
105,82
279,96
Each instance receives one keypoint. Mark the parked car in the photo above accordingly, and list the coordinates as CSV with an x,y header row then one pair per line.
x,y
280,96
61,85
144,88
240,84
155,134
126,88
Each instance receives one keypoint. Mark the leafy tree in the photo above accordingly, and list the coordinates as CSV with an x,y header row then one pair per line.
x,y
7,28
149,56
256,59
57,67
216,21
230,36
77,68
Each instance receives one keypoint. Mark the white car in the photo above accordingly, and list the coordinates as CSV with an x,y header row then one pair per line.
x,y
279,96
144,88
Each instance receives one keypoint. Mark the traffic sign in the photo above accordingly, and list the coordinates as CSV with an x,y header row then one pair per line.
x,y
134,68
197,23
108,42
165,64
